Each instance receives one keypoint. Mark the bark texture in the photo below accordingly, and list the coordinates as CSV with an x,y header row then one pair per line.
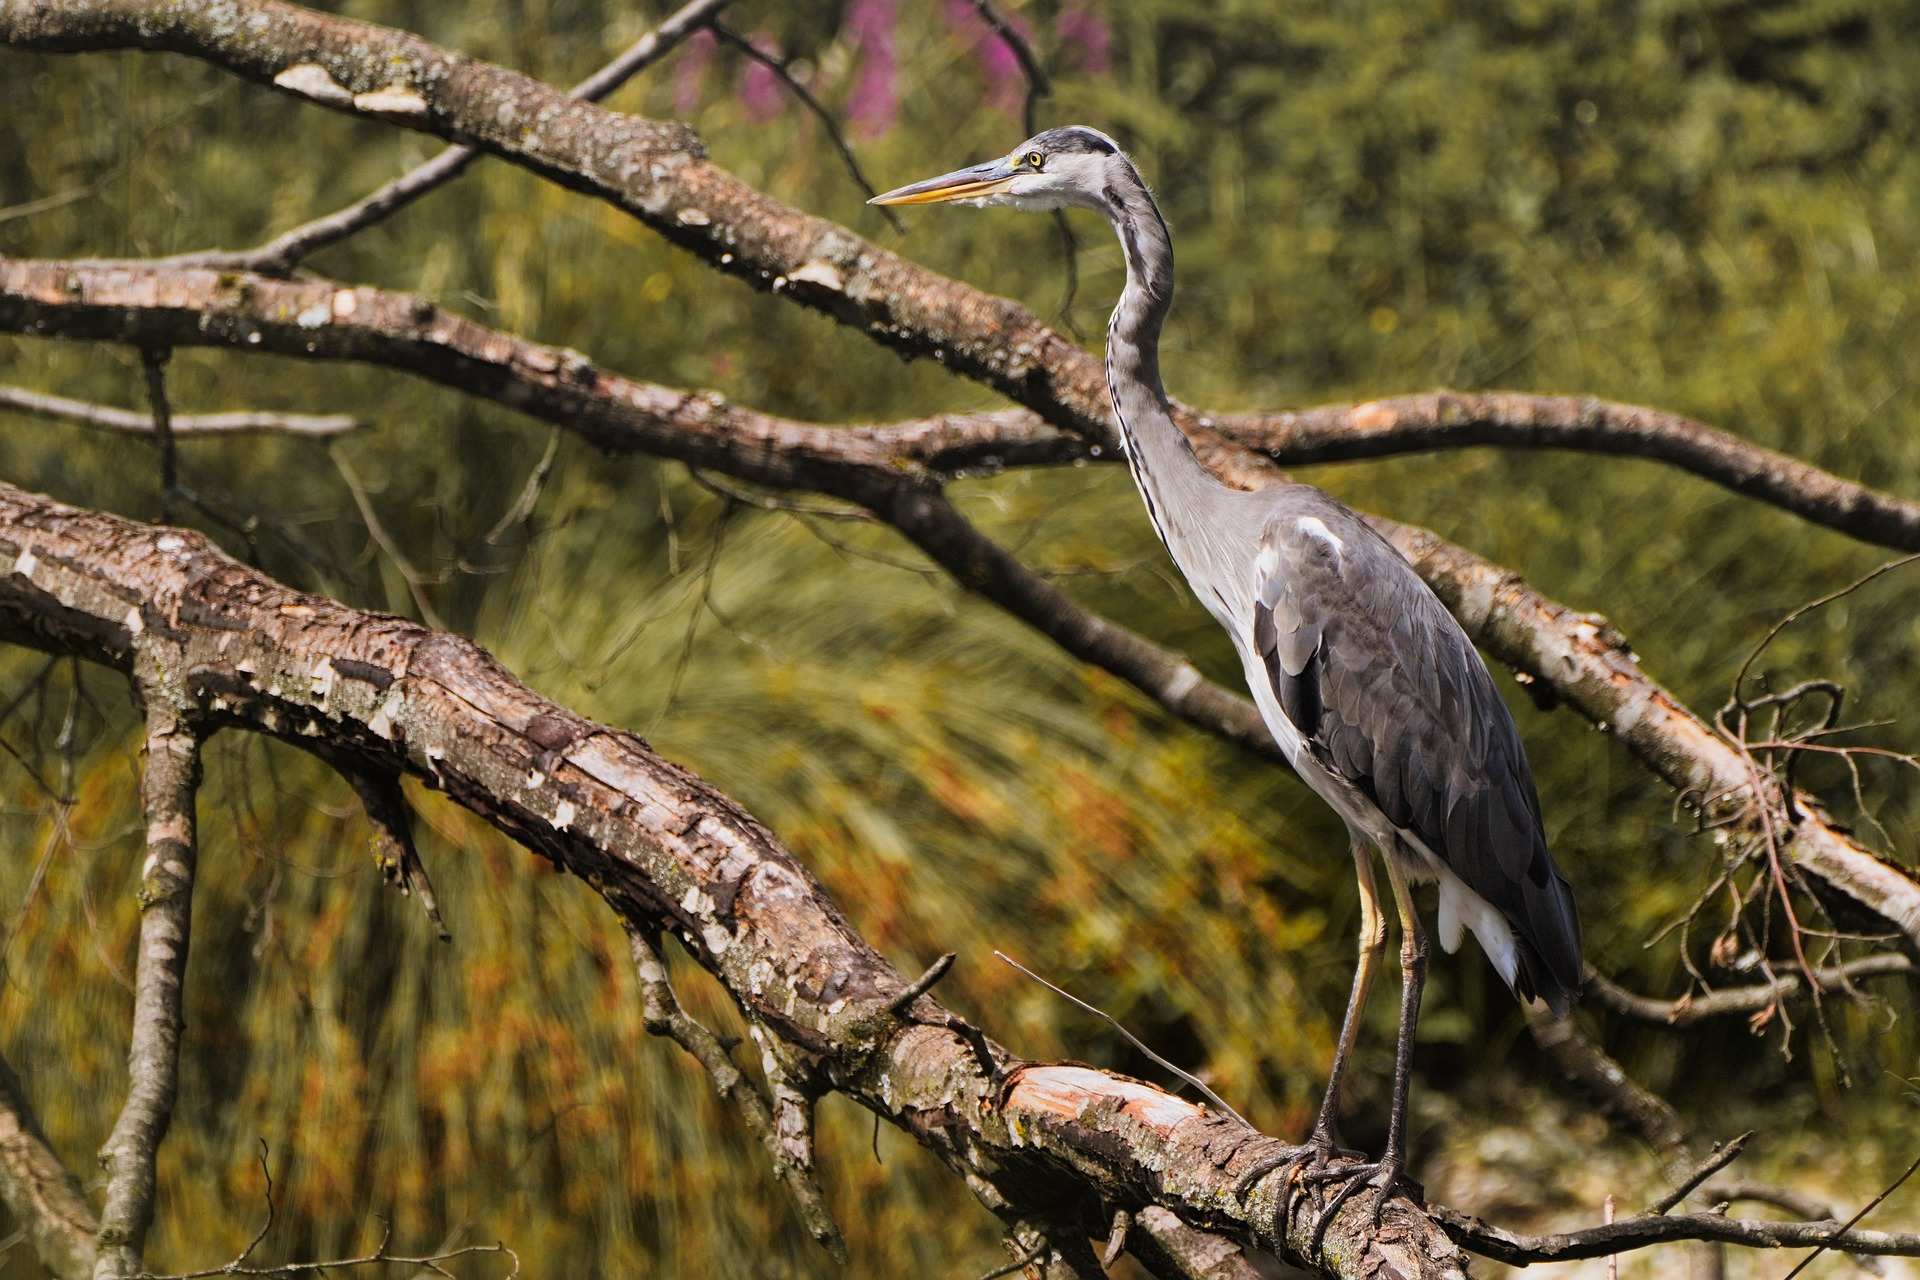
x,y
229,647
1581,657
43,1197
167,787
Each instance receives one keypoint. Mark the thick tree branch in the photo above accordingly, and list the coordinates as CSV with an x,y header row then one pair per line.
x,y
168,785
1579,656
656,171
287,250
664,849
184,424
315,319
39,1191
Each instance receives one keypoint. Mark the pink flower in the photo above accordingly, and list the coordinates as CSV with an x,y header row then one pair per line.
x,y
874,106
693,66
760,91
1086,40
999,65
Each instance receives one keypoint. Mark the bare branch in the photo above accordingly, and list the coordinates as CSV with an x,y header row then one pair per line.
x,y
1628,1106
1641,1231
39,1191
417,582
108,418
287,250
379,1257
1690,1008
1579,656
1453,420
1038,86
1722,1155
168,785
153,361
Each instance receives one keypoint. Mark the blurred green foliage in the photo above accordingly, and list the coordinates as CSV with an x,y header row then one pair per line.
x,y
1713,207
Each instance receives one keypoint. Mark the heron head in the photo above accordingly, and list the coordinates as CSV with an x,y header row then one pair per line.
x,y
1063,168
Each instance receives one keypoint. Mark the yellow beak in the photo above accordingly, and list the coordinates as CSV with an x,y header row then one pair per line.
x,y
962,184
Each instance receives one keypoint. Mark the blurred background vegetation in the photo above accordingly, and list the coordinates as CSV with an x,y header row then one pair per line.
x,y
1710,206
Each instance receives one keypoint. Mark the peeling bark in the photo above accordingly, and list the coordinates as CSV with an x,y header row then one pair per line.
x,y
231,648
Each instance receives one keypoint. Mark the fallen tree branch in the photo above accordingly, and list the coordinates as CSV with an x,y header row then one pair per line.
x,y
108,418
666,851
167,788
39,1191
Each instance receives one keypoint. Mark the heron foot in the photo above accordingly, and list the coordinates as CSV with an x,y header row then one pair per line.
x,y
1305,1168
1382,1175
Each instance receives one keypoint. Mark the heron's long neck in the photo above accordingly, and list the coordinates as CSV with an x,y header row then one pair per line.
x,y
1162,460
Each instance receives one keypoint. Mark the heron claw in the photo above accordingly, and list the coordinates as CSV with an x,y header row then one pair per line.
x,y
1382,1175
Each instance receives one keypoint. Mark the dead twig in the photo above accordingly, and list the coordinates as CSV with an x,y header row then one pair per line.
x,y
1722,1155
153,361
665,1017
1132,1039
782,69
108,418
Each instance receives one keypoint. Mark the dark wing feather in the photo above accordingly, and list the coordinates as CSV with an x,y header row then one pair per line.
x,y
1390,695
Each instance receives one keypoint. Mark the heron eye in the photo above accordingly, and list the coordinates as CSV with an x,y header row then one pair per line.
x,y
1035,159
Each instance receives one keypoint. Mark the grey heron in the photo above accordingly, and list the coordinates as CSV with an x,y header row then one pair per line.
x,y
1368,684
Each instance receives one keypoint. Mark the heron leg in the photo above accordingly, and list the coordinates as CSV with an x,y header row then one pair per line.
x,y
1391,1167
1323,1143
1413,974
1373,946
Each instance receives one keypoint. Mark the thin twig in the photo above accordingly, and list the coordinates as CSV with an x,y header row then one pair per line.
x,y
782,69
380,1256
1722,1155
921,985
417,582
664,1016
153,360
1795,615
1032,1255
287,250
1866,1209
394,850
109,418
1132,1039
1038,86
